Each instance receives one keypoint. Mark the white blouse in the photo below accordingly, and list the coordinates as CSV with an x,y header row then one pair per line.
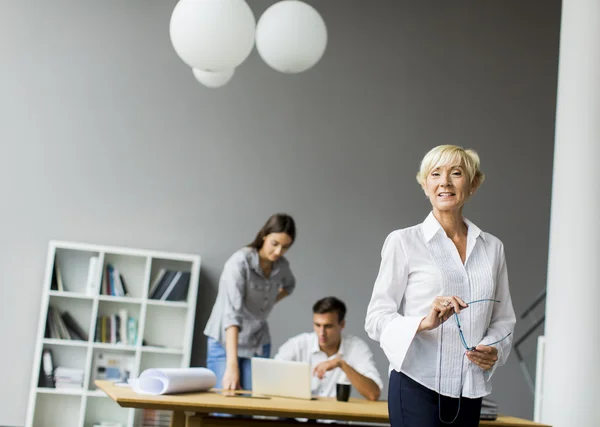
x,y
419,263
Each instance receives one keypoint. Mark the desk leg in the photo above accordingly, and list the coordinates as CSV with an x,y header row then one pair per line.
x,y
178,419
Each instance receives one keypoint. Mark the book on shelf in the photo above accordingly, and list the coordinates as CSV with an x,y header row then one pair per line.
x,y
92,282
113,282
56,283
119,328
63,326
170,285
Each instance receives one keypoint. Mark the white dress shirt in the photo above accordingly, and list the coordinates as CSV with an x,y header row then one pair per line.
x,y
305,348
419,263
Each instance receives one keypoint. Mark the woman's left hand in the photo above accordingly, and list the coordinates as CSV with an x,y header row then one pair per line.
x,y
484,356
281,294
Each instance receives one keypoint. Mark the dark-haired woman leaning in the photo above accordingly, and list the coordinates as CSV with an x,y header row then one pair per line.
x,y
254,278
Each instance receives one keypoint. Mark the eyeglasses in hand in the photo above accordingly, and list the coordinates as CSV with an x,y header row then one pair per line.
x,y
460,332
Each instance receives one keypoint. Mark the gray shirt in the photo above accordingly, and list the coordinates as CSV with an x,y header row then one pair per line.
x,y
245,299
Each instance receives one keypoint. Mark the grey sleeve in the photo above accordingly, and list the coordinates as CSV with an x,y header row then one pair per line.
x,y
233,283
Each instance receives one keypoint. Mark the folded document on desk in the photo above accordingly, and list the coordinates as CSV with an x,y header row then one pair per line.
x,y
173,380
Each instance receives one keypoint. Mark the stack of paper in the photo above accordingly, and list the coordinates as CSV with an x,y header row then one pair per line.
x,y
489,410
68,378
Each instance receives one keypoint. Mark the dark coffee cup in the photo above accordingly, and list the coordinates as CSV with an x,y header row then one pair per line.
x,y
342,392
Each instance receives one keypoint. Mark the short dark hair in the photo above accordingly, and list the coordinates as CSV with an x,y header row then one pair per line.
x,y
330,305
277,223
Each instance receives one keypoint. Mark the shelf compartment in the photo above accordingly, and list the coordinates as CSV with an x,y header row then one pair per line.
x,y
130,268
67,356
100,409
72,268
112,364
160,269
165,326
125,314
70,357
57,409
79,310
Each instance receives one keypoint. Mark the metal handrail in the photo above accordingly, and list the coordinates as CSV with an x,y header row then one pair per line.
x,y
534,304
535,324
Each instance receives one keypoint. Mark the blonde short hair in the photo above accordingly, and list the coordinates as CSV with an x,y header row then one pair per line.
x,y
451,155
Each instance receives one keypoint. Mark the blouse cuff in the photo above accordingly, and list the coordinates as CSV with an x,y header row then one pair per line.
x,y
396,338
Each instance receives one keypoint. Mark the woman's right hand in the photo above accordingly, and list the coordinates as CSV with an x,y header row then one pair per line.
x,y
231,377
441,309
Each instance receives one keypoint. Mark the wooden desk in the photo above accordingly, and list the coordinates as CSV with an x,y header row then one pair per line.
x,y
192,409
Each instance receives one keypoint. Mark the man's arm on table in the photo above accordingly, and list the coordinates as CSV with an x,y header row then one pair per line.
x,y
365,385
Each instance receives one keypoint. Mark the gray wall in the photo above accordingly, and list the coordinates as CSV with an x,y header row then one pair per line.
x,y
107,138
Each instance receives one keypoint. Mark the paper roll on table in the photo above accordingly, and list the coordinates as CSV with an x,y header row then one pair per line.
x,y
173,380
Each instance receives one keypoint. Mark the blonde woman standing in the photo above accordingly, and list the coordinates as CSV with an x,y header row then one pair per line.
x,y
441,307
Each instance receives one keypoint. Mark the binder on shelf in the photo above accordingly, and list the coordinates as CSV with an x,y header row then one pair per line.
x,y
91,283
171,286
47,374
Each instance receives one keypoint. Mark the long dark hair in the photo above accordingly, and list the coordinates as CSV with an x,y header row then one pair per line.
x,y
277,223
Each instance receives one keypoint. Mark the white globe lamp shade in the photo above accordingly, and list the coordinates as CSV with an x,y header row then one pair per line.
x,y
291,36
213,79
212,34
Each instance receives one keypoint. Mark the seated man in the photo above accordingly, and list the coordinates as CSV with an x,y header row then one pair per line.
x,y
335,357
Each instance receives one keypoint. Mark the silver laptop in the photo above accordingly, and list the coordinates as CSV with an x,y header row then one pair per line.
x,y
281,378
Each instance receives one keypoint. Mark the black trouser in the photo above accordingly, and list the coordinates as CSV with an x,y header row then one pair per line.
x,y
412,405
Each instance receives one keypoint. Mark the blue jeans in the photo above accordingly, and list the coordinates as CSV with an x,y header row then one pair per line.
x,y
216,361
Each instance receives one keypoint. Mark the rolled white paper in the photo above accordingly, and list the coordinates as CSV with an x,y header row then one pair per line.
x,y
173,380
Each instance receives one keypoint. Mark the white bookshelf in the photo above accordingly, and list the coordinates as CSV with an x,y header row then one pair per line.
x,y
164,328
